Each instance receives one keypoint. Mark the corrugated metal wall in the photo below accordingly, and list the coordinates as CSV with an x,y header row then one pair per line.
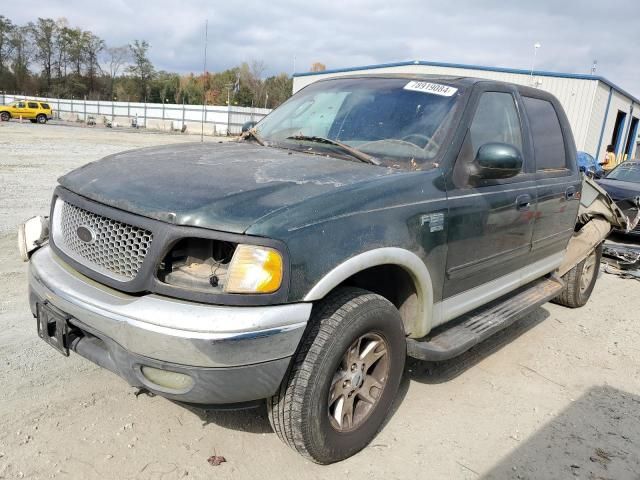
x,y
576,95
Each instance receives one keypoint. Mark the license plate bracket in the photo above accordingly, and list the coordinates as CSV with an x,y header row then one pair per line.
x,y
53,327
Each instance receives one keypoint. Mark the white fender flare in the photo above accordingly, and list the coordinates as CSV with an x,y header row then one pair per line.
x,y
405,259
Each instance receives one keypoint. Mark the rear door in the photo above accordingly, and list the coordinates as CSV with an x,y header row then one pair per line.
x,y
490,223
557,177
32,109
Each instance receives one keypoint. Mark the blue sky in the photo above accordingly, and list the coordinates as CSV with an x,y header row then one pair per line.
x,y
343,33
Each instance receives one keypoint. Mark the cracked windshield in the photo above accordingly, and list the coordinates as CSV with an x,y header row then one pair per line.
x,y
394,122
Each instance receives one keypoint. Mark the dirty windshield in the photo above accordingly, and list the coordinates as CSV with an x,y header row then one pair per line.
x,y
400,123
629,172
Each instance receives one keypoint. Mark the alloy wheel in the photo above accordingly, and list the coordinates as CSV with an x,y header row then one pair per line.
x,y
588,271
358,382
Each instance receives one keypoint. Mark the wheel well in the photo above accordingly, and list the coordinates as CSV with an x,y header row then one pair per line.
x,y
393,283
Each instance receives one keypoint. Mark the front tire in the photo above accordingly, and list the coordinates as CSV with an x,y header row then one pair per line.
x,y
343,379
41,119
4,116
580,280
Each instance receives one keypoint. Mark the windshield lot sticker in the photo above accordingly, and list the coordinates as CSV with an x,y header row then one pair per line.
x,y
428,87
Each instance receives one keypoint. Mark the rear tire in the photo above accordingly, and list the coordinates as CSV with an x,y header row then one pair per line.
x,y
580,280
343,379
41,119
4,116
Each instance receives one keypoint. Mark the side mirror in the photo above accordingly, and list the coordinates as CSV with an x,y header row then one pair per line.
x,y
495,161
246,126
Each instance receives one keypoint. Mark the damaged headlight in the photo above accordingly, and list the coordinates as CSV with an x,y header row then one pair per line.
x,y
215,266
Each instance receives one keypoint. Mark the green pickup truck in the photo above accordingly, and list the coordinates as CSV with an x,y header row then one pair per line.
x,y
367,218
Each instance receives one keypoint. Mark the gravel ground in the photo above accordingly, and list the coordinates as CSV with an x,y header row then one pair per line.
x,y
555,396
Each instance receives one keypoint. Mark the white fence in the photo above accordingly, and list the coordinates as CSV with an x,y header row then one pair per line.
x,y
218,120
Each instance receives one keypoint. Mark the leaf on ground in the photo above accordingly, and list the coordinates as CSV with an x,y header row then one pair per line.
x,y
216,460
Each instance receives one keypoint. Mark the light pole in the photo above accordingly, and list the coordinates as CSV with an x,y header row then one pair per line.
x,y
229,87
536,46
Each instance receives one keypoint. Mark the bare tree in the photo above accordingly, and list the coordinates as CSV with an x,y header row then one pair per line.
x,y
6,46
116,58
251,77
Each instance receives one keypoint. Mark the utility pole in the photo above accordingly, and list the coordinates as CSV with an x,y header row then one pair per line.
x,y
204,73
229,86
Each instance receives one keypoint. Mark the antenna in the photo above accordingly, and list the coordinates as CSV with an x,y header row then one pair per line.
x,y
594,66
204,73
536,46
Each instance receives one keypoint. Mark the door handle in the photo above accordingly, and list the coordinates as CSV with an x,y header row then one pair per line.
x,y
570,193
523,202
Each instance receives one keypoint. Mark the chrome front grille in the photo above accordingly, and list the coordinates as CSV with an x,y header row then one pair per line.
x,y
105,245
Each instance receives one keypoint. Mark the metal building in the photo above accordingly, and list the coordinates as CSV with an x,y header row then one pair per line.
x,y
600,112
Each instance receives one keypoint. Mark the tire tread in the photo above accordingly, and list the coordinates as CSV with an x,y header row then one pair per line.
x,y
285,408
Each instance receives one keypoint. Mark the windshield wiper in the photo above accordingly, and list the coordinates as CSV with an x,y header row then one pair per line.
x,y
251,133
354,152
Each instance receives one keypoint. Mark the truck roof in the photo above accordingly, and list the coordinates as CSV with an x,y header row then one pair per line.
x,y
454,80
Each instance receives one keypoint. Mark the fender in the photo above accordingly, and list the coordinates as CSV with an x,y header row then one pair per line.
x,y
409,261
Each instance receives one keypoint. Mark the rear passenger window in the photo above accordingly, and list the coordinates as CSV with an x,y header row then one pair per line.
x,y
45,106
32,105
548,142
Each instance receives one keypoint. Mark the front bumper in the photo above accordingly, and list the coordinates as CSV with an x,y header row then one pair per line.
x,y
231,354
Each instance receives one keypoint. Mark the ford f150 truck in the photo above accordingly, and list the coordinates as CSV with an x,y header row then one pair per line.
x,y
367,218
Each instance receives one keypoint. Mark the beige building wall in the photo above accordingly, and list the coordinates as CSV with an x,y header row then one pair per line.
x,y
584,99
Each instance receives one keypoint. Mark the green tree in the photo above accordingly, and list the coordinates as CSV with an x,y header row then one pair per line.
x,y
20,39
62,46
44,33
164,87
141,68
279,89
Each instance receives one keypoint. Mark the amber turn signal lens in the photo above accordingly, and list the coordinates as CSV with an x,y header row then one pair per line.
x,y
254,269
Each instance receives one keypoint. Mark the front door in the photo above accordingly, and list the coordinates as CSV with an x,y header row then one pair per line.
x,y
20,110
490,221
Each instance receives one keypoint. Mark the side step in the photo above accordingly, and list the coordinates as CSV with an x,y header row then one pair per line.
x,y
458,336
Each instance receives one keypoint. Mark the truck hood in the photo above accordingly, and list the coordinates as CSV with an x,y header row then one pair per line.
x,y
225,186
620,190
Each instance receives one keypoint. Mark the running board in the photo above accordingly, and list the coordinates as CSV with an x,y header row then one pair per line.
x,y
458,336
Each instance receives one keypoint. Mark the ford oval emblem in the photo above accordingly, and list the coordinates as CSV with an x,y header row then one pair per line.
x,y
86,234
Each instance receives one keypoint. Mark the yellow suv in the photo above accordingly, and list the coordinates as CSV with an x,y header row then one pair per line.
x,y
28,109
